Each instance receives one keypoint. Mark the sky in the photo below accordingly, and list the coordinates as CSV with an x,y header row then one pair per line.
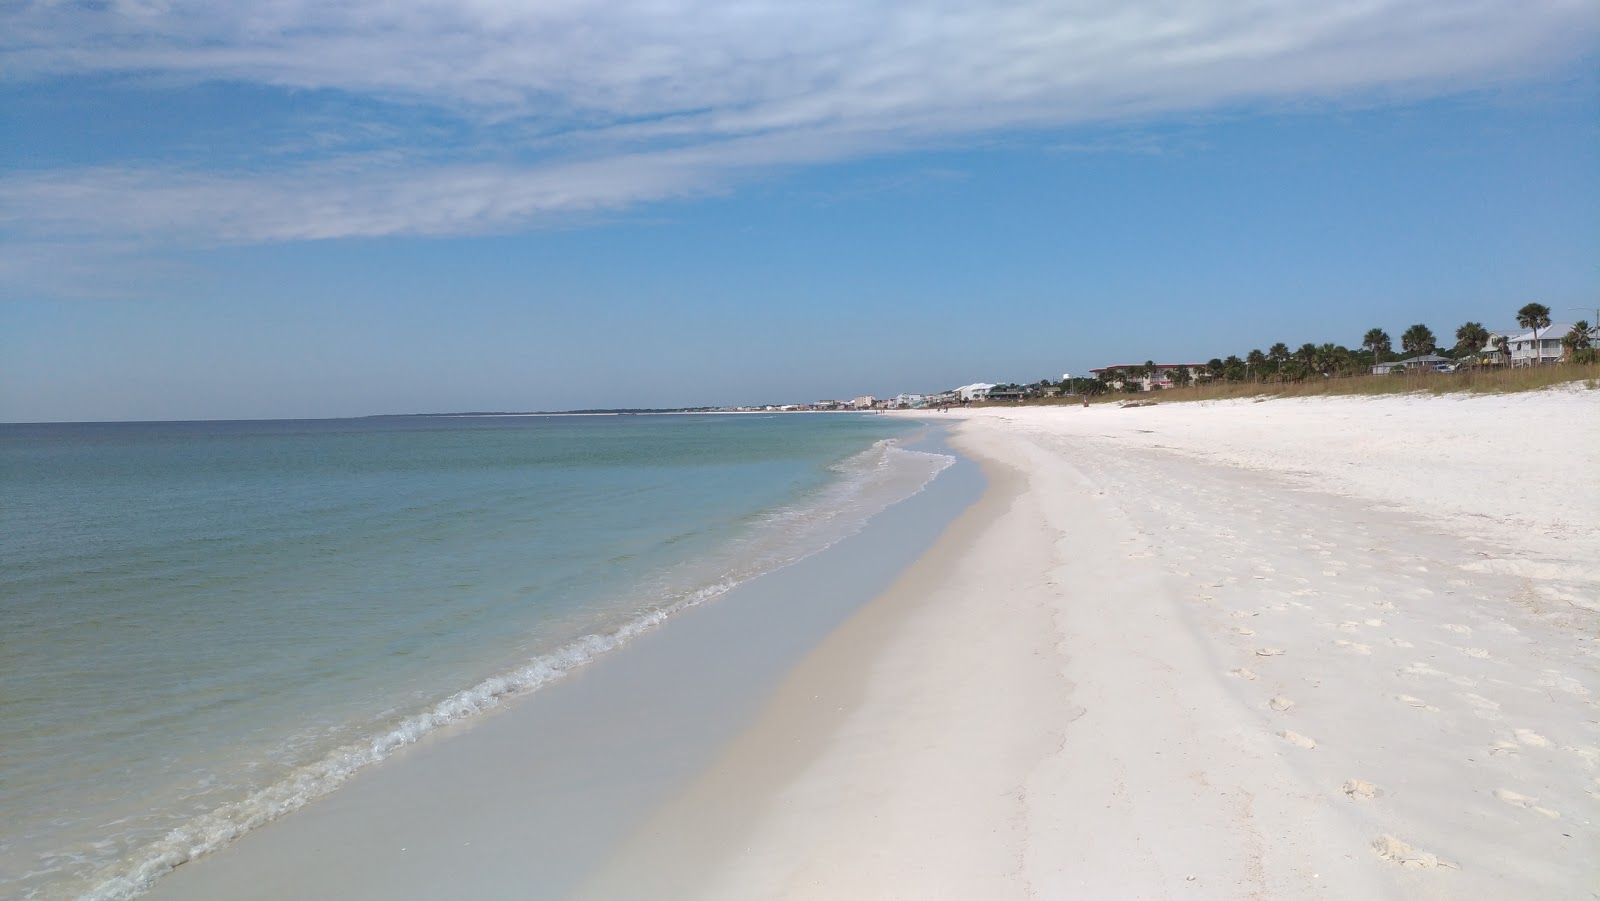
x,y
288,208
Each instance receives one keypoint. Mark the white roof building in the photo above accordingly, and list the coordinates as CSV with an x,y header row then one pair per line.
x,y
1544,344
974,391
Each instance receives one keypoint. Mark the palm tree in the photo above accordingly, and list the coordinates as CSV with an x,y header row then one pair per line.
x,y
1503,345
1417,340
1256,362
1578,338
1471,337
1377,341
1535,316
1578,343
1278,353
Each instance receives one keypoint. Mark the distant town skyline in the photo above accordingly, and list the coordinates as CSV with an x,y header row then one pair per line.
x,y
302,211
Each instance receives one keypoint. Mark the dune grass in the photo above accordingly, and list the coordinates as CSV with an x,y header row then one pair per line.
x,y
1482,381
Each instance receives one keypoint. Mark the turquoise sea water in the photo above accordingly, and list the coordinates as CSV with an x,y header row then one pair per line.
x,y
206,625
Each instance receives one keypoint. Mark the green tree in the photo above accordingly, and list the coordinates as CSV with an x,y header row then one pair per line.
x,y
1256,361
1578,338
1377,341
1333,359
1417,340
1503,345
1470,339
1233,369
1535,316
1579,344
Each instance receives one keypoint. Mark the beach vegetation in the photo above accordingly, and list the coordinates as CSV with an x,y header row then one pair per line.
x,y
1418,340
1535,316
1333,369
1579,343
1376,342
1471,338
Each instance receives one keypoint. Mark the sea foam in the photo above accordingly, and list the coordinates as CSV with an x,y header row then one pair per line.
x,y
865,484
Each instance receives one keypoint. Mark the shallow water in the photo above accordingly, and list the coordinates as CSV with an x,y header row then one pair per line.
x,y
205,625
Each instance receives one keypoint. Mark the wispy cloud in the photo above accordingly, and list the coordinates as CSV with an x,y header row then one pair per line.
x,y
630,101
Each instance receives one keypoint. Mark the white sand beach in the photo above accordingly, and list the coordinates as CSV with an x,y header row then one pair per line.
x,y
1330,647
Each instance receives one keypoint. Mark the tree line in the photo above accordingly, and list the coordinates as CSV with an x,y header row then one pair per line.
x,y
1280,364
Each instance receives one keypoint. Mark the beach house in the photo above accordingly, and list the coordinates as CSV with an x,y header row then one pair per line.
x,y
1420,363
974,392
1539,345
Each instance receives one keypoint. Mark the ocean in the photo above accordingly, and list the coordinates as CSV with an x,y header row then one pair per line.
x,y
204,626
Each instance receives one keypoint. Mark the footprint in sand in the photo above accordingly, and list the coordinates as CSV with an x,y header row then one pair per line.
x,y
1360,789
1280,703
1383,605
1401,643
1418,703
1531,738
1241,630
1420,669
1558,680
1353,647
1525,802
1269,652
1375,623
1396,851
1298,740
1242,673
1478,653
1457,628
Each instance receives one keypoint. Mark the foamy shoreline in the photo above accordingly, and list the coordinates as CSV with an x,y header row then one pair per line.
x,y
533,792
1312,648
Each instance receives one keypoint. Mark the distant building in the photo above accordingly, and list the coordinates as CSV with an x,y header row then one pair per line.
x,y
1540,345
864,402
909,400
1422,362
974,392
1006,393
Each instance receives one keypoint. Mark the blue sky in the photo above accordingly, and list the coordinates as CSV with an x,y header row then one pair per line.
x,y
311,209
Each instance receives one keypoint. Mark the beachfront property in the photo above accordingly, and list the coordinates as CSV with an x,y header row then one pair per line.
x,y
1136,373
974,392
1419,363
864,402
1537,346
909,400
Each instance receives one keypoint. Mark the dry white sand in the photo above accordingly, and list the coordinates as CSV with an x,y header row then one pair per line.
x,y
1340,648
